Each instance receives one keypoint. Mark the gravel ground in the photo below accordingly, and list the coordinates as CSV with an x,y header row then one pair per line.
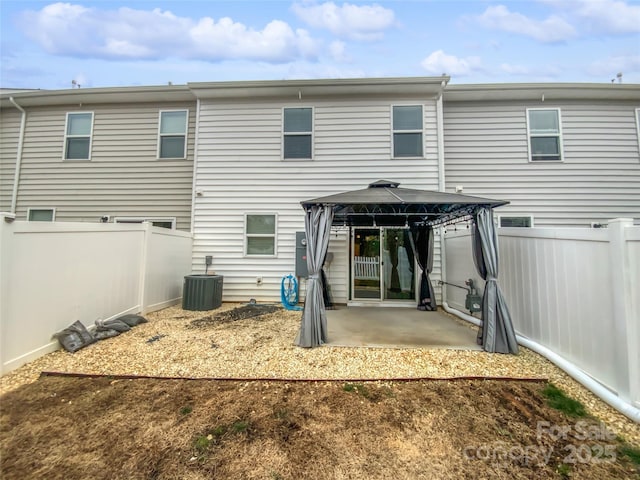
x,y
169,345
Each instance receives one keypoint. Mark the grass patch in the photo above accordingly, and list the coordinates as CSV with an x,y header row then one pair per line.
x,y
557,399
564,470
202,443
357,388
186,410
239,426
632,453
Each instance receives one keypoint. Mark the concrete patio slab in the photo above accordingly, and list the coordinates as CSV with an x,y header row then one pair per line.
x,y
391,327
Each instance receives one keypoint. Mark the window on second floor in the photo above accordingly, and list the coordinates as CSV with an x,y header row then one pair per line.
x,y
407,131
297,133
260,234
77,139
172,137
545,136
41,214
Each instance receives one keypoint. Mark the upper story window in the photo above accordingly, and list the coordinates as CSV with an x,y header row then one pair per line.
x,y
545,135
260,234
407,131
77,140
172,137
41,214
298,133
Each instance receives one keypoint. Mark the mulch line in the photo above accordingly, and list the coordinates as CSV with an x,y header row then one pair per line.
x,y
295,380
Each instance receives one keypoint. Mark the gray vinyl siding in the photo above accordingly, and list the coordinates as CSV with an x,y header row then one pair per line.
x,y
486,152
239,170
9,136
124,176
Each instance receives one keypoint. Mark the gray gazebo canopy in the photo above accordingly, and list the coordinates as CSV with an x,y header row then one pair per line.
x,y
383,203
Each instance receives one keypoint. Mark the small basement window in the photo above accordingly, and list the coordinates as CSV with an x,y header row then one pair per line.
x,y
510,222
260,234
41,214
545,136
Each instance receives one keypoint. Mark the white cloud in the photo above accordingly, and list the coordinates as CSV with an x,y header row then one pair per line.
x,y
125,33
364,22
602,16
533,71
439,63
550,30
611,66
338,51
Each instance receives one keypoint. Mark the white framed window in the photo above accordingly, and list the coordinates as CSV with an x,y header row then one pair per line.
x,y
172,133
508,221
544,129
164,222
260,234
41,214
297,133
77,136
408,131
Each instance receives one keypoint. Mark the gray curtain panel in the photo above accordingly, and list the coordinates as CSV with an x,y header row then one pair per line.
x,y
313,328
422,245
496,332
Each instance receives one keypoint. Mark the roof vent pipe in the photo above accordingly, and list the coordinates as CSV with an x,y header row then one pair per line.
x,y
16,176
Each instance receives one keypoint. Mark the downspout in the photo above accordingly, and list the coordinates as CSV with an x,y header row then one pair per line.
x,y
194,194
16,177
441,185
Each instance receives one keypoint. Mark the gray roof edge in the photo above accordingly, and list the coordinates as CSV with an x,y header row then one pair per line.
x,y
136,94
534,91
324,87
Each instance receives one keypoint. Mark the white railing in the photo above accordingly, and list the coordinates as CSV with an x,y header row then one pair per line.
x,y
366,268
574,291
52,274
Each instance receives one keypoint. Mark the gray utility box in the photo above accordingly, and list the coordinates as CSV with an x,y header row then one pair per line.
x,y
301,255
202,292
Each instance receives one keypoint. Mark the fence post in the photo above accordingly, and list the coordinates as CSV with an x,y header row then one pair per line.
x,y
146,239
622,311
5,219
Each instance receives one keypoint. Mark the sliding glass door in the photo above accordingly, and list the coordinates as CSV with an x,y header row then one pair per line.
x,y
382,264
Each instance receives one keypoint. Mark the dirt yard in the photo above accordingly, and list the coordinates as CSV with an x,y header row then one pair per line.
x,y
114,428
222,410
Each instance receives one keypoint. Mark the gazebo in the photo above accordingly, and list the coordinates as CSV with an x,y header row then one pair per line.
x,y
384,203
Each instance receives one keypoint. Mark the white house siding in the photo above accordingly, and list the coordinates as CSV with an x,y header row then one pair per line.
x,y
486,152
9,135
239,170
123,177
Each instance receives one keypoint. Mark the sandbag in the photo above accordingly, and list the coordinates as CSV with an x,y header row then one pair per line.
x,y
105,333
74,337
115,324
132,320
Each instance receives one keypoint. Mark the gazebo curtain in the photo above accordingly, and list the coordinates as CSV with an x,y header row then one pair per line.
x,y
313,328
496,332
422,244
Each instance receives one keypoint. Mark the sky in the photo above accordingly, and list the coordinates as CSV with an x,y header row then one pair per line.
x,y
57,45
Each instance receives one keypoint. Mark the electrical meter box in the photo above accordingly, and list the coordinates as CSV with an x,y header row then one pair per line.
x,y
301,255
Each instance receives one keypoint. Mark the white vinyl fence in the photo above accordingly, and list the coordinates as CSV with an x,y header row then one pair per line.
x,y
52,274
575,291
